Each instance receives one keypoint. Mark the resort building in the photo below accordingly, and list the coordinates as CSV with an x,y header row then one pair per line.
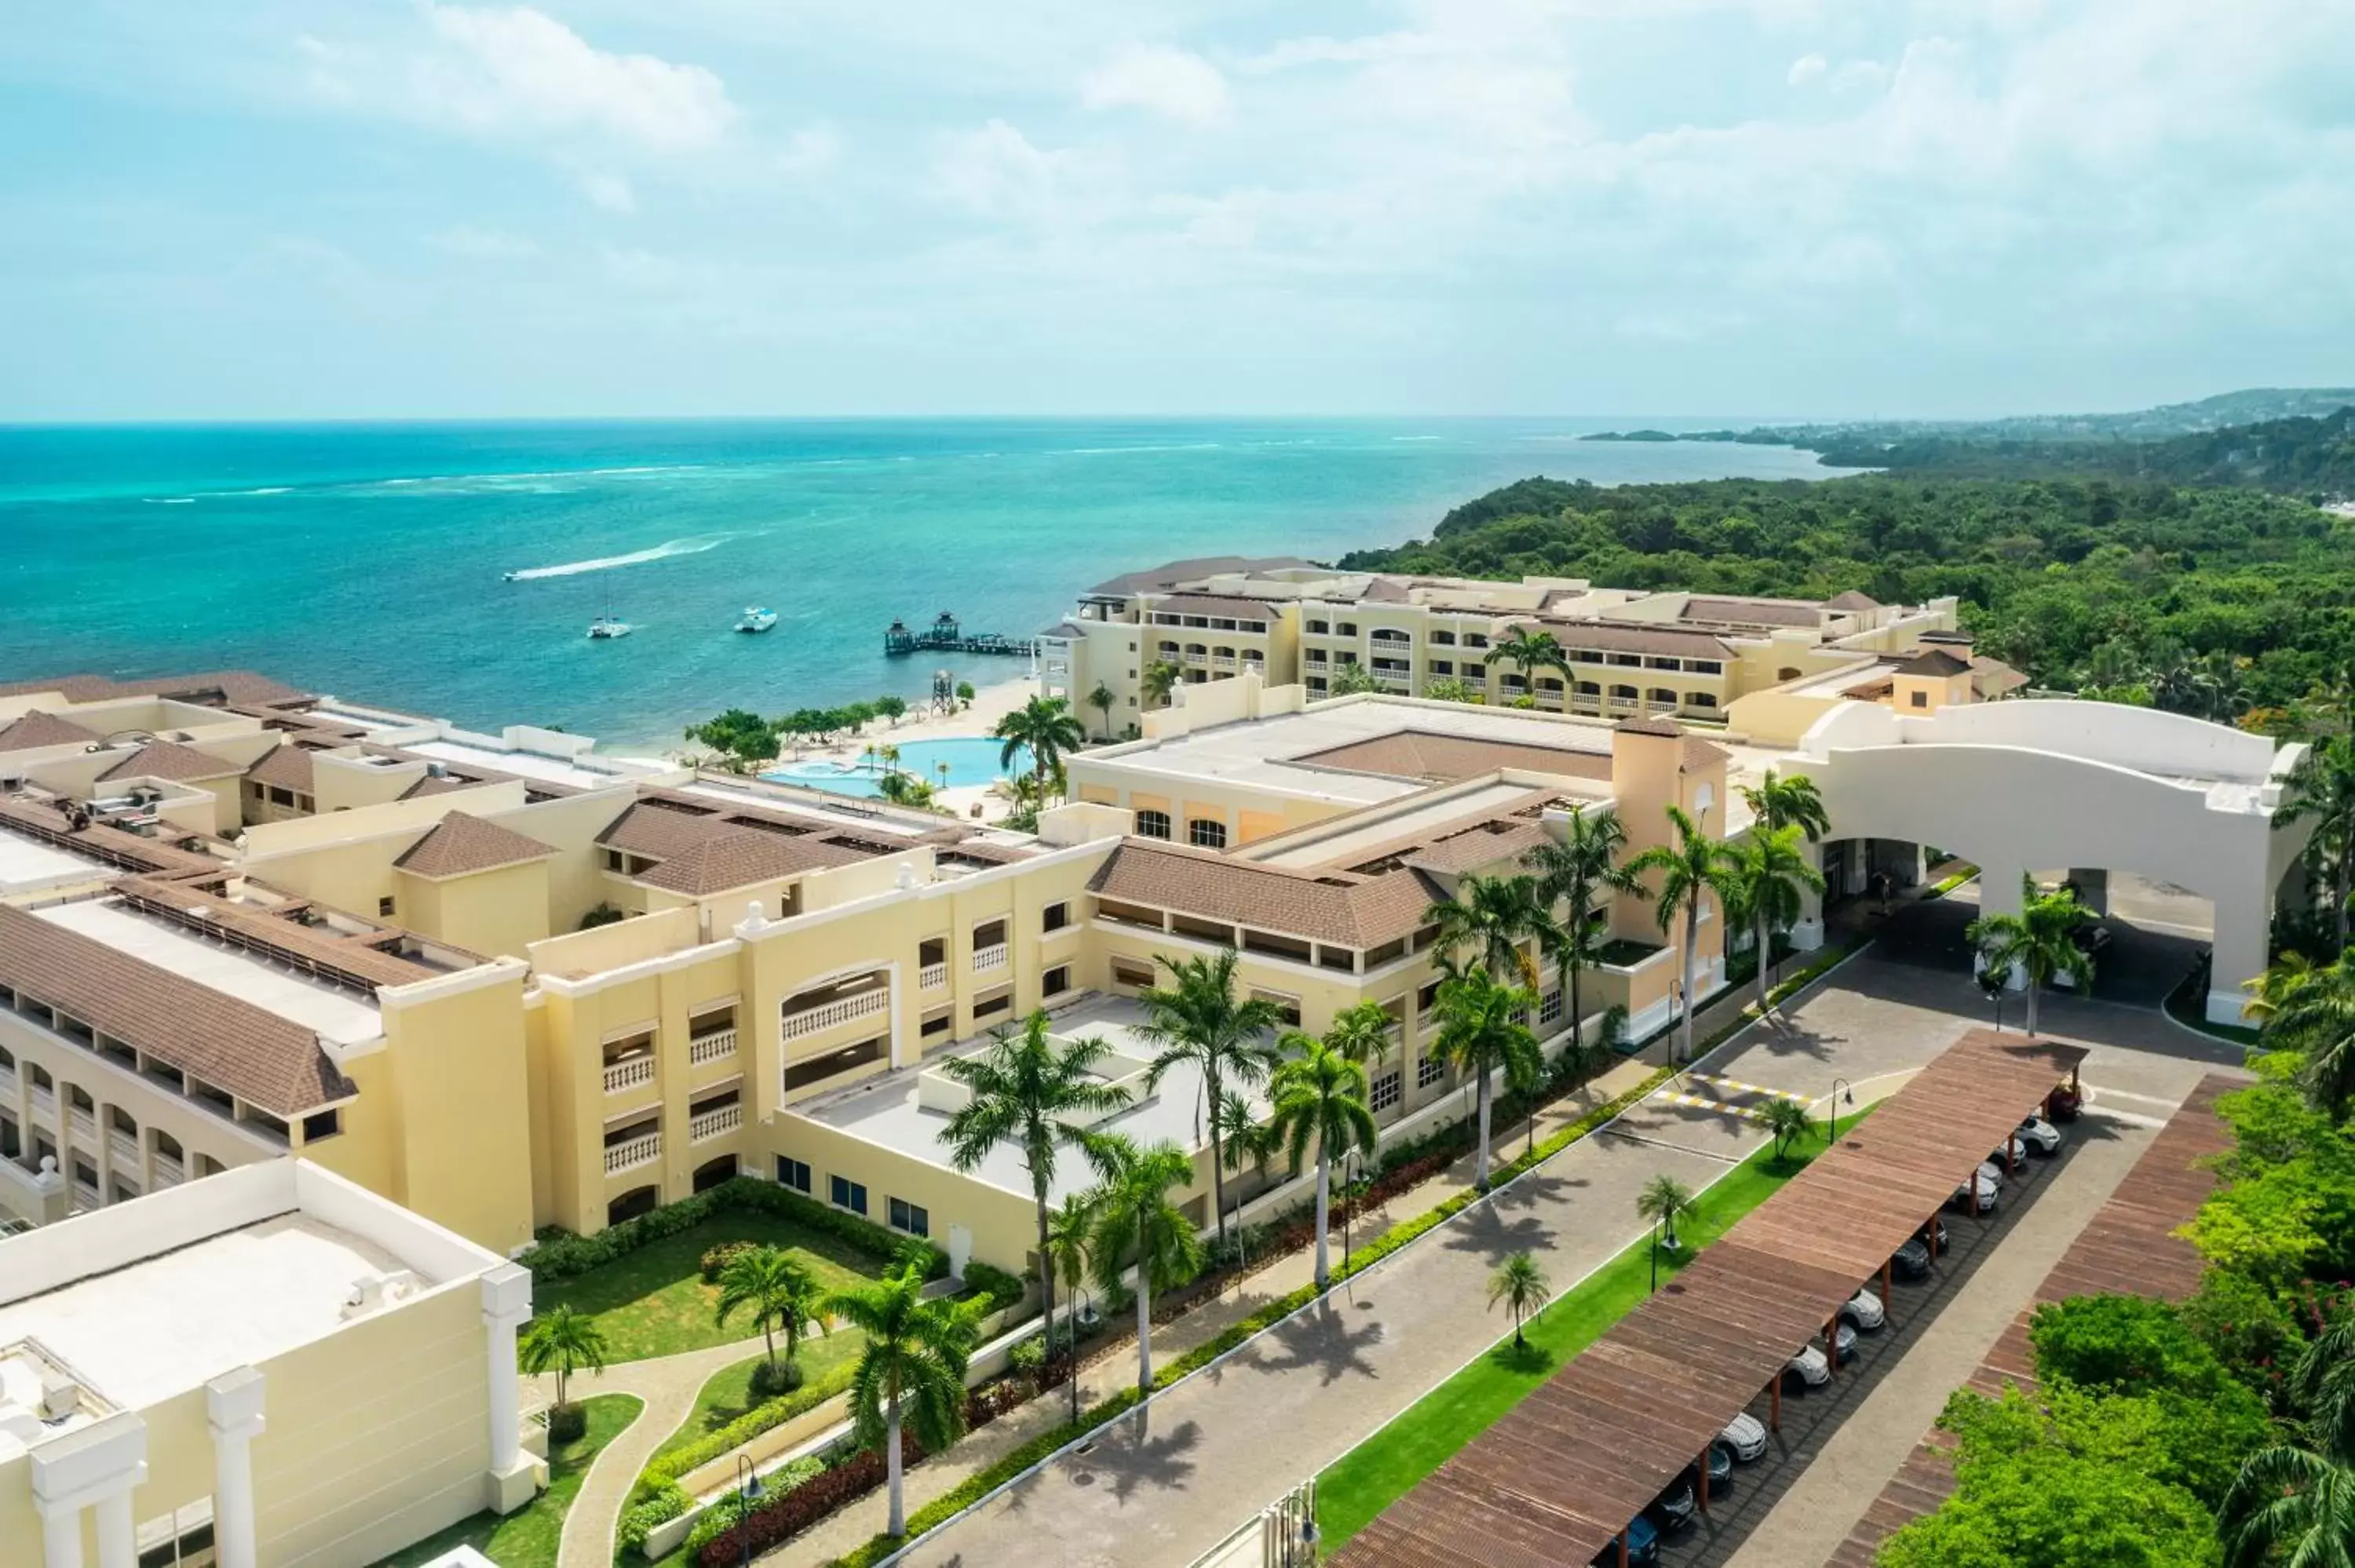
x,y
268,1368
508,983
1631,653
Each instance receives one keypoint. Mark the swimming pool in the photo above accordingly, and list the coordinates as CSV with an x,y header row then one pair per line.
x,y
971,759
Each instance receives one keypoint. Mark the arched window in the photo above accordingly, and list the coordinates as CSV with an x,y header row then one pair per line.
x,y
1623,693
1153,824
1701,700
1205,832
1170,648
1662,695
1589,689
712,1172
631,1204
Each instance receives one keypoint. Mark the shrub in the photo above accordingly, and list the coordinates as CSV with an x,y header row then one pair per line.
x,y
2120,1344
560,1253
745,1429
773,1380
567,1423
1028,1359
639,1521
1002,1288
715,1260
793,1512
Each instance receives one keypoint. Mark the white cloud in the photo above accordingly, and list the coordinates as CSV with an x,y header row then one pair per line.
x,y
611,191
483,244
812,150
1169,81
521,69
1806,71
997,172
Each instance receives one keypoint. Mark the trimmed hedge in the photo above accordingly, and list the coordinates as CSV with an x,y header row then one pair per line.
x,y
558,1253
1002,1288
943,1509
639,1519
667,1469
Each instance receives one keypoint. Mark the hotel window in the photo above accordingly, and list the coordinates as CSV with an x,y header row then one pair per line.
x,y
1153,824
253,791
1320,627
1426,999
1446,639
279,797
1701,700
1056,982
1127,972
1623,693
322,1123
845,1194
1349,629
384,908
792,1173
1443,666
1476,639
1386,1092
1550,1008
180,1540
906,1216
1919,699
1286,1007
1205,832
1055,917
1429,1071
1314,683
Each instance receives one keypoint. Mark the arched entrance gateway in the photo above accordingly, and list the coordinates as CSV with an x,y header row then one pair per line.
x,y
2087,788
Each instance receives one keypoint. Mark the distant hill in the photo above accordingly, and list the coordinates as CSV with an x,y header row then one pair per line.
x,y
2302,456
2252,406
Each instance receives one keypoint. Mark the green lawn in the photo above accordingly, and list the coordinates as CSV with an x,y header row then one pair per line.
x,y
528,1538
653,1302
1376,1473
728,1392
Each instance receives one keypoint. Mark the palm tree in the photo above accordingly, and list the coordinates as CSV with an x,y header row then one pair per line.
x,y
1196,1018
1161,679
2296,1504
1690,869
2040,941
1351,680
1361,1031
1136,1224
1519,1284
1045,725
563,1340
1491,916
1030,1093
1581,874
2316,1017
1480,1030
2323,789
1320,1094
1769,872
1067,1258
780,1293
1787,1120
2280,981
1788,800
1101,700
1529,649
911,1368
1662,1201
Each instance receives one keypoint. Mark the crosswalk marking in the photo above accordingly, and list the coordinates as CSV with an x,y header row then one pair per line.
x,y
1739,1086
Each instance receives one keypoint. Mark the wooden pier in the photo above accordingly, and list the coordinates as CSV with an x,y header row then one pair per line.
x,y
946,636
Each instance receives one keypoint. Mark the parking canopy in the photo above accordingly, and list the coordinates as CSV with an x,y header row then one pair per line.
x,y
1558,1476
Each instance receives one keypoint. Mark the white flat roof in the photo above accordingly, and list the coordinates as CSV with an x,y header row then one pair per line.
x,y
815,803
522,764
1388,827
28,865
167,1323
884,1111
326,1011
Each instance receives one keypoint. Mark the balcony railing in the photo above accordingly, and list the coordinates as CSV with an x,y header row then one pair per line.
x,y
7,1084
629,1074
85,1196
45,1104
628,1156
993,956
83,1123
705,1049
813,1020
712,1123
1222,660
932,977
168,1171
125,1147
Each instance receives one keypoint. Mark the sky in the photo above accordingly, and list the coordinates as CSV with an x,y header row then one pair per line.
x,y
1768,208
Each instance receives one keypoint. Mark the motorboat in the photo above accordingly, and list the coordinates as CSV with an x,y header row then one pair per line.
x,y
605,628
757,619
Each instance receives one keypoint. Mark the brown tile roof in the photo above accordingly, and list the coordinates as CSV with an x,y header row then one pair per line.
x,y
1485,845
1993,677
1445,758
1347,912
1665,727
351,951
739,858
113,846
437,784
1170,574
1751,611
254,1054
460,844
1852,600
1936,662
1214,604
170,759
39,728
1700,754
287,766
1622,637
211,688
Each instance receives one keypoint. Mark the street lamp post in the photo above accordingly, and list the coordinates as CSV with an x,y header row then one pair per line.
x,y
748,1492
1843,1093
1655,1256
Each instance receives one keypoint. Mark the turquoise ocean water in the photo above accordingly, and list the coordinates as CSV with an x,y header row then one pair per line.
x,y
367,560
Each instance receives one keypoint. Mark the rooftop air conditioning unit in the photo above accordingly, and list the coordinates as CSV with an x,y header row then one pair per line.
x,y
60,1396
437,770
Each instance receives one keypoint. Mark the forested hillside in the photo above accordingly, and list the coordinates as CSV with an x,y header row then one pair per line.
x,y
2214,598
2309,457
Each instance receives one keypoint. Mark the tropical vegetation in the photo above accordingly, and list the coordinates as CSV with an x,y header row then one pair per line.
x,y
776,1292
1663,1201
1196,1019
1481,1033
1579,873
911,1372
1689,870
1136,1225
1519,1286
1769,878
1044,727
1318,1099
2039,944
562,1341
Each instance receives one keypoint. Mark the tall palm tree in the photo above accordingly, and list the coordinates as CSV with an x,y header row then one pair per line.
x,y
2323,790
1788,800
1580,875
1067,1257
2040,941
1490,917
1197,1018
1690,869
1480,1030
911,1368
1663,1201
1101,700
2280,981
1786,1120
2316,1017
1136,1224
2296,1504
779,1292
1162,678
1531,650
1359,1033
1320,1096
1029,1093
1046,726
563,1340
1520,1286
1771,872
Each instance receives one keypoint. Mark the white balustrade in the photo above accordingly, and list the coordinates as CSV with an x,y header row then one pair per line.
x,y
712,1123
990,957
932,977
629,1074
812,1020
45,1103
124,1146
168,1173
630,1155
708,1048
7,1084
83,1123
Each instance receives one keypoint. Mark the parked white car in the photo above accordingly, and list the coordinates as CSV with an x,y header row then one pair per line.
x,y
1863,1311
2041,1135
1745,1435
1988,1186
1991,1171
1810,1367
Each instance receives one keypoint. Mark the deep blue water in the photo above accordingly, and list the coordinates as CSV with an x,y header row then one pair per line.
x,y
367,560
